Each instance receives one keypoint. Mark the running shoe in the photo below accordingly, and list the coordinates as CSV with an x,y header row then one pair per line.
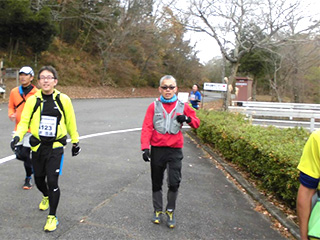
x,y
157,217
44,204
52,223
27,184
171,220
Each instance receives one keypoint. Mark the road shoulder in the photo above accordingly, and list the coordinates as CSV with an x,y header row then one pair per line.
x,y
289,225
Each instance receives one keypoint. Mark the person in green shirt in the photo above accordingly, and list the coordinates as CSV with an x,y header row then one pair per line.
x,y
309,167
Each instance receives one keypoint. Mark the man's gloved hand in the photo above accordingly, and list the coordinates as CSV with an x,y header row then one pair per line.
x,y
183,118
146,155
75,149
14,142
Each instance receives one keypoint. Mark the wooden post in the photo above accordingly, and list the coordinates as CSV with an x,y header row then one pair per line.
x,y
1,79
17,77
1,67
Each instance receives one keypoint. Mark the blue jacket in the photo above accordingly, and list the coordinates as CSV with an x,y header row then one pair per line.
x,y
197,98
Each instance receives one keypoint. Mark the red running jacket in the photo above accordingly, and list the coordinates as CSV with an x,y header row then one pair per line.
x,y
149,136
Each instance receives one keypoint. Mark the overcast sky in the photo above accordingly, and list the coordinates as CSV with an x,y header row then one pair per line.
x,y
209,49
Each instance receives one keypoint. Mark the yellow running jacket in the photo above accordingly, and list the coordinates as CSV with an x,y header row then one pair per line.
x,y
67,124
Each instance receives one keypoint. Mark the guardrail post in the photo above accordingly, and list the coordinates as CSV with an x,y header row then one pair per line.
x,y
249,116
312,124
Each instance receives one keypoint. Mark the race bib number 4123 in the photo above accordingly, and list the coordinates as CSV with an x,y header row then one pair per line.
x,y
48,126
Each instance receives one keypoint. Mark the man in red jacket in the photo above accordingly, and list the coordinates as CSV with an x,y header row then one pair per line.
x,y
162,130
17,99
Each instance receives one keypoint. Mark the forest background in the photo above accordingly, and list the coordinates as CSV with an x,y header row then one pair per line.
x,y
132,43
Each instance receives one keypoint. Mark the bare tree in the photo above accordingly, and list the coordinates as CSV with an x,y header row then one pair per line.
x,y
297,60
234,25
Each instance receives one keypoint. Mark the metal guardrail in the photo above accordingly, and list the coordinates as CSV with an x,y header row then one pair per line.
x,y
284,123
280,114
306,106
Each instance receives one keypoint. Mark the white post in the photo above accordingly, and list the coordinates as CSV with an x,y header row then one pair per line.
x,y
312,124
2,80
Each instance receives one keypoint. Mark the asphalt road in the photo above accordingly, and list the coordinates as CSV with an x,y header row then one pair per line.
x,y
106,190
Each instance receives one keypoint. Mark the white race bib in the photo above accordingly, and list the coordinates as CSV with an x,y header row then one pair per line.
x,y
48,126
192,97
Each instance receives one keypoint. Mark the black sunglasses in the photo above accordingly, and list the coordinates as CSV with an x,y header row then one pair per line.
x,y
166,87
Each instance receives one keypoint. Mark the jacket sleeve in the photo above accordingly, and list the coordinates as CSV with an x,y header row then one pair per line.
x,y
11,109
199,96
70,120
24,123
147,128
190,112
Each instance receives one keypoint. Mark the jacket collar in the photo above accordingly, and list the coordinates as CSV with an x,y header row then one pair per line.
x,y
55,93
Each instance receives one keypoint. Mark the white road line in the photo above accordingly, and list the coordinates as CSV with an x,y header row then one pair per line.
x,y
107,133
9,158
6,159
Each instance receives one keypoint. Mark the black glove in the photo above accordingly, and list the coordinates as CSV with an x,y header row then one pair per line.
x,y
183,118
146,155
75,149
14,141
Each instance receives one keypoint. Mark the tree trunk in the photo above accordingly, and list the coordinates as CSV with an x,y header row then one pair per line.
x,y
273,85
296,96
296,90
16,47
254,89
36,60
232,78
223,75
10,47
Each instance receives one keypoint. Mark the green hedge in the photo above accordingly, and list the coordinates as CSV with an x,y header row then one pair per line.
x,y
269,154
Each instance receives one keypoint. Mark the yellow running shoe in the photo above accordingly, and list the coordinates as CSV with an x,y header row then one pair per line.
x,y
52,222
44,204
171,220
157,217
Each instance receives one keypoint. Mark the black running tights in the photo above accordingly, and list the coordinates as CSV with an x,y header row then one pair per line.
x,y
50,189
28,167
